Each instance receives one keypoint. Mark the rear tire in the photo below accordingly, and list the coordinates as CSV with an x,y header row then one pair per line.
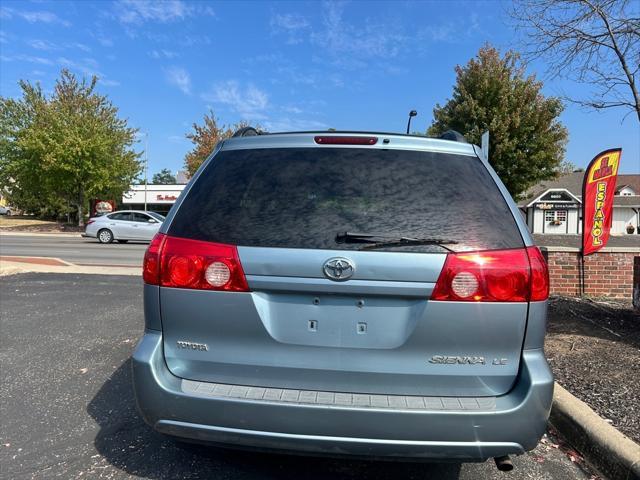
x,y
123,241
105,236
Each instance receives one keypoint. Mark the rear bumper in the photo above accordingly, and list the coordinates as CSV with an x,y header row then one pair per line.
x,y
454,430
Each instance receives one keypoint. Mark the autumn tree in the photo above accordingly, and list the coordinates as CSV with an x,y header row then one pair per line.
x,y
594,42
67,149
163,177
492,92
204,138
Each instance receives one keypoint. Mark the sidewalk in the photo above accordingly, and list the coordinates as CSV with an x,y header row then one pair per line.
x,y
38,234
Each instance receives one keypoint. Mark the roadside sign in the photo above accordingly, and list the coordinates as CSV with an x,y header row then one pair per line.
x,y
598,188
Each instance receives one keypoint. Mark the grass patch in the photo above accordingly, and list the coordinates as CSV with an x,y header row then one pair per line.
x,y
16,221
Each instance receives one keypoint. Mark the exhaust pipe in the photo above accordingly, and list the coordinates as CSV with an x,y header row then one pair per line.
x,y
504,463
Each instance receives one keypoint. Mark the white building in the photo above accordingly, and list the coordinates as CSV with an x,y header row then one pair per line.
x,y
159,198
555,206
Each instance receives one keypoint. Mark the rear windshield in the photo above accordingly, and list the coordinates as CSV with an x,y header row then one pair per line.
x,y
304,197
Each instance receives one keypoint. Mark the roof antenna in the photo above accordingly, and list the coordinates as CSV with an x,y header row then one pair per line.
x,y
412,114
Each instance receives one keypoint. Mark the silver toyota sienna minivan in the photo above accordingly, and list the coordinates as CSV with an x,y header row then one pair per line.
x,y
346,293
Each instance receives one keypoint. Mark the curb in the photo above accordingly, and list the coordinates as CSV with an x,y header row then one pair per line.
x,y
605,447
41,234
30,265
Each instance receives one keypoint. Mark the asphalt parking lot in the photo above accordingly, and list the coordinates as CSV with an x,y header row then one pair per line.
x,y
67,408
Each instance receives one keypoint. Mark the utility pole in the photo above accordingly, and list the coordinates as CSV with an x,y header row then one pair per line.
x,y
146,162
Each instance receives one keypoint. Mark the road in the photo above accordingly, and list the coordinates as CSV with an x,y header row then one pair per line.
x,y
68,410
78,250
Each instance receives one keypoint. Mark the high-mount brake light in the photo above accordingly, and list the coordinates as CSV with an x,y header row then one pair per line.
x,y
193,264
344,140
518,275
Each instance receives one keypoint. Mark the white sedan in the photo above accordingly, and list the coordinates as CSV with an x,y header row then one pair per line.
x,y
123,226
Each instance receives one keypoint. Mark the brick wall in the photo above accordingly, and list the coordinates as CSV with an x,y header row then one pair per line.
x,y
607,273
636,282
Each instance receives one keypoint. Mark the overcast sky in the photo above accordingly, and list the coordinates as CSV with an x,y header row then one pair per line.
x,y
284,65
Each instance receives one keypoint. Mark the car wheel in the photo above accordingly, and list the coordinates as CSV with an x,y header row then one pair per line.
x,y
123,241
105,236
8,212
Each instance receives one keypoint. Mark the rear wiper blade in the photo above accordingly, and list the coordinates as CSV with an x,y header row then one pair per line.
x,y
374,241
349,237
412,241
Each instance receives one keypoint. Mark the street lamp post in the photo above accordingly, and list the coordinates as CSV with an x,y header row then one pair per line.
x,y
412,114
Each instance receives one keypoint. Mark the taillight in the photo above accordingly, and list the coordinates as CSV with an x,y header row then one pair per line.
x,y
151,262
539,275
489,276
344,140
201,265
89,222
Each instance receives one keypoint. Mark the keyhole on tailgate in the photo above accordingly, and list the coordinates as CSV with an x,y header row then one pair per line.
x,y
360,303
361,328
313,325
316,301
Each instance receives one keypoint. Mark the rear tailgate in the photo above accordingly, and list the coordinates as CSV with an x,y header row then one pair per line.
x,y
364,335
376,332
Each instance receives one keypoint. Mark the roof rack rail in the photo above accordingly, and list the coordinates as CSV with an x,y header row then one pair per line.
x,y
453,136
248,132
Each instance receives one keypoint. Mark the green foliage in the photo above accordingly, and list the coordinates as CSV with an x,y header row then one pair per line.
x,y
527,141
163,177
64,150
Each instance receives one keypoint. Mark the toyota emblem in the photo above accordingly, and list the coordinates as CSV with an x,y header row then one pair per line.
x,y
338,269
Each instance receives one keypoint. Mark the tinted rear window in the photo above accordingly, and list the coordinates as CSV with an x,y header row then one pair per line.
x,y
303,197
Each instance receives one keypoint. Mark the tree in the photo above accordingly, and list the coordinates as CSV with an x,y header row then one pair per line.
x,y
16,118
527,140
596,42
163,177
205,137
565,167
67,149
